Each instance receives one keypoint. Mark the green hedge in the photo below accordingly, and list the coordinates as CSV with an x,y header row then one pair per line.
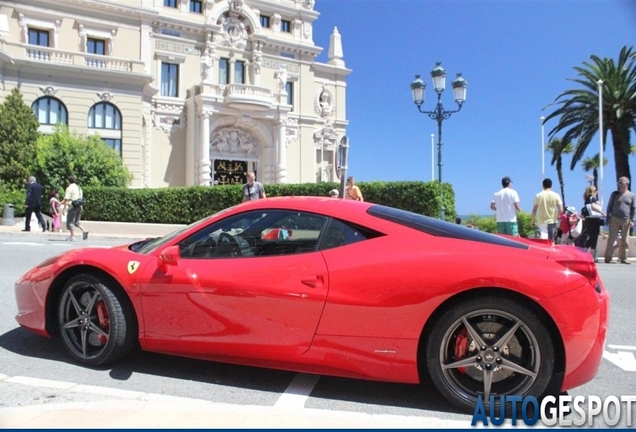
x,y
184,205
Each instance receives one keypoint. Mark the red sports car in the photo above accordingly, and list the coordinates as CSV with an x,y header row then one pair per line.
x,y
335,287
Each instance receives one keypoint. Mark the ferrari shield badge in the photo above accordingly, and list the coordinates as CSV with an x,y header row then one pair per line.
x,y
133,266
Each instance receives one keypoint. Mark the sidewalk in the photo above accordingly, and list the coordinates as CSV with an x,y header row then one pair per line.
x,y
129,409
99,229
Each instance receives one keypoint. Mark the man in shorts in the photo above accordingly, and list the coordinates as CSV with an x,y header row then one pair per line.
x,y
546,209
506,204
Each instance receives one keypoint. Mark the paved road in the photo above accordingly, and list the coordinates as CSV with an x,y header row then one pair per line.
x,y
35,370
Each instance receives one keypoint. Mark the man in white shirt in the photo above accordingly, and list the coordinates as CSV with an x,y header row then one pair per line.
x,y
506,204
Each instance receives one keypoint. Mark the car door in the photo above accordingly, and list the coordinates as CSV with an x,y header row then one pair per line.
x,y
246,297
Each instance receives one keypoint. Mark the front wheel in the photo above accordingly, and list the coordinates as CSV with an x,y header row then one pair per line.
x,y
96,327
489,346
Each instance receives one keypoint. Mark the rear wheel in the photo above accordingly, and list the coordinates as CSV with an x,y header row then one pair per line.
x,y
95,326
486,347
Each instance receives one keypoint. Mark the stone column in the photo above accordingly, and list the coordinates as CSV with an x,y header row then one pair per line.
x,y
204,163
190,162
282,154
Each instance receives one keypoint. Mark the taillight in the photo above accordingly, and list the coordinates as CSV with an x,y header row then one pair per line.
x,y
584,268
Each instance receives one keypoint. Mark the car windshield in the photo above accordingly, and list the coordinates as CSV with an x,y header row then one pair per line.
x,y
149,245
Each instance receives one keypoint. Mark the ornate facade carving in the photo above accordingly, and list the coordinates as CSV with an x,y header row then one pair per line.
x,y
326,138
234,32
207,63
291,130
105,96
48,90
177,47
281,79
166,116
235,7
231,141
167,122
324,103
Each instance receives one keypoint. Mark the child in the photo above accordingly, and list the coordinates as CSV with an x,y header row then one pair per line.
x,y
567,221
54,204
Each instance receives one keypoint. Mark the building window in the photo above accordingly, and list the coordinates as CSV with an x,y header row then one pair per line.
x,y
96,46
38,37
239,72
170,3
106,116
285,26
50,111
113,143
264,21
289,87
224,71
196,6
169,79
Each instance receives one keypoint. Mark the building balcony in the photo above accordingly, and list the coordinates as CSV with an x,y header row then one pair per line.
x,y
47,57
248,97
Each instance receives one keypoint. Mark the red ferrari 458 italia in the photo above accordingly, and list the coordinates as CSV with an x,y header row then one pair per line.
x,y
335,287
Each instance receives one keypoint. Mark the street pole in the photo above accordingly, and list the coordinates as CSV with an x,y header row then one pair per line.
x,y
542,149
600,134
432,157
439,114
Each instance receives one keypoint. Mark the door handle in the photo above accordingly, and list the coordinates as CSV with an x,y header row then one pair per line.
x,y
312,281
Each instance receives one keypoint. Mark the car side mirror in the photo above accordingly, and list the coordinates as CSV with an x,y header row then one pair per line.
x,y
169,257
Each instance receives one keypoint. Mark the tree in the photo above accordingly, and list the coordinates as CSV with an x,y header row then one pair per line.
x,y
578,108
88,159
592,164
18,137
559,147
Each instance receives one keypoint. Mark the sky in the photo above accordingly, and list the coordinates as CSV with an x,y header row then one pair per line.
x,y
517,57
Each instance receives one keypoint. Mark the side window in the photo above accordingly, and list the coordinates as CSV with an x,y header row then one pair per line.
x,y
256,233
339,233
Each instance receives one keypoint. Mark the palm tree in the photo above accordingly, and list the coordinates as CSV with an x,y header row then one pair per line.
x,y
578,110
592,164
559,147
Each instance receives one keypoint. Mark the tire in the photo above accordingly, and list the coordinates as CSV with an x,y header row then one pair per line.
x,y
96,327
465,349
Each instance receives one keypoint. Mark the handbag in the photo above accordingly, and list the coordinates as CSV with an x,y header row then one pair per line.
x,y
80,201
591,213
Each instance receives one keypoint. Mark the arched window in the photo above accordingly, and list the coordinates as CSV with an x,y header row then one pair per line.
x,y
50,111
107,118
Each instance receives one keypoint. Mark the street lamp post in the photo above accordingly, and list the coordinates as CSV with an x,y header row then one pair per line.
x,y
439,114
542,148
600,133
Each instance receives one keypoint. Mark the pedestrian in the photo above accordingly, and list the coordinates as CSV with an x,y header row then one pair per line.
x,y
252,190
546,209
352,191
73,209
54,209
333,193
621,210
568,222
458,220
33,203
506,204
593,218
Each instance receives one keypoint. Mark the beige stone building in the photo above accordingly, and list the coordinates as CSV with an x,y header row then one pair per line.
x,y
189,92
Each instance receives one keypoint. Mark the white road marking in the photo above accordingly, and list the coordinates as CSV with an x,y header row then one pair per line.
x,y
298,391
623,359
622,347
23,243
